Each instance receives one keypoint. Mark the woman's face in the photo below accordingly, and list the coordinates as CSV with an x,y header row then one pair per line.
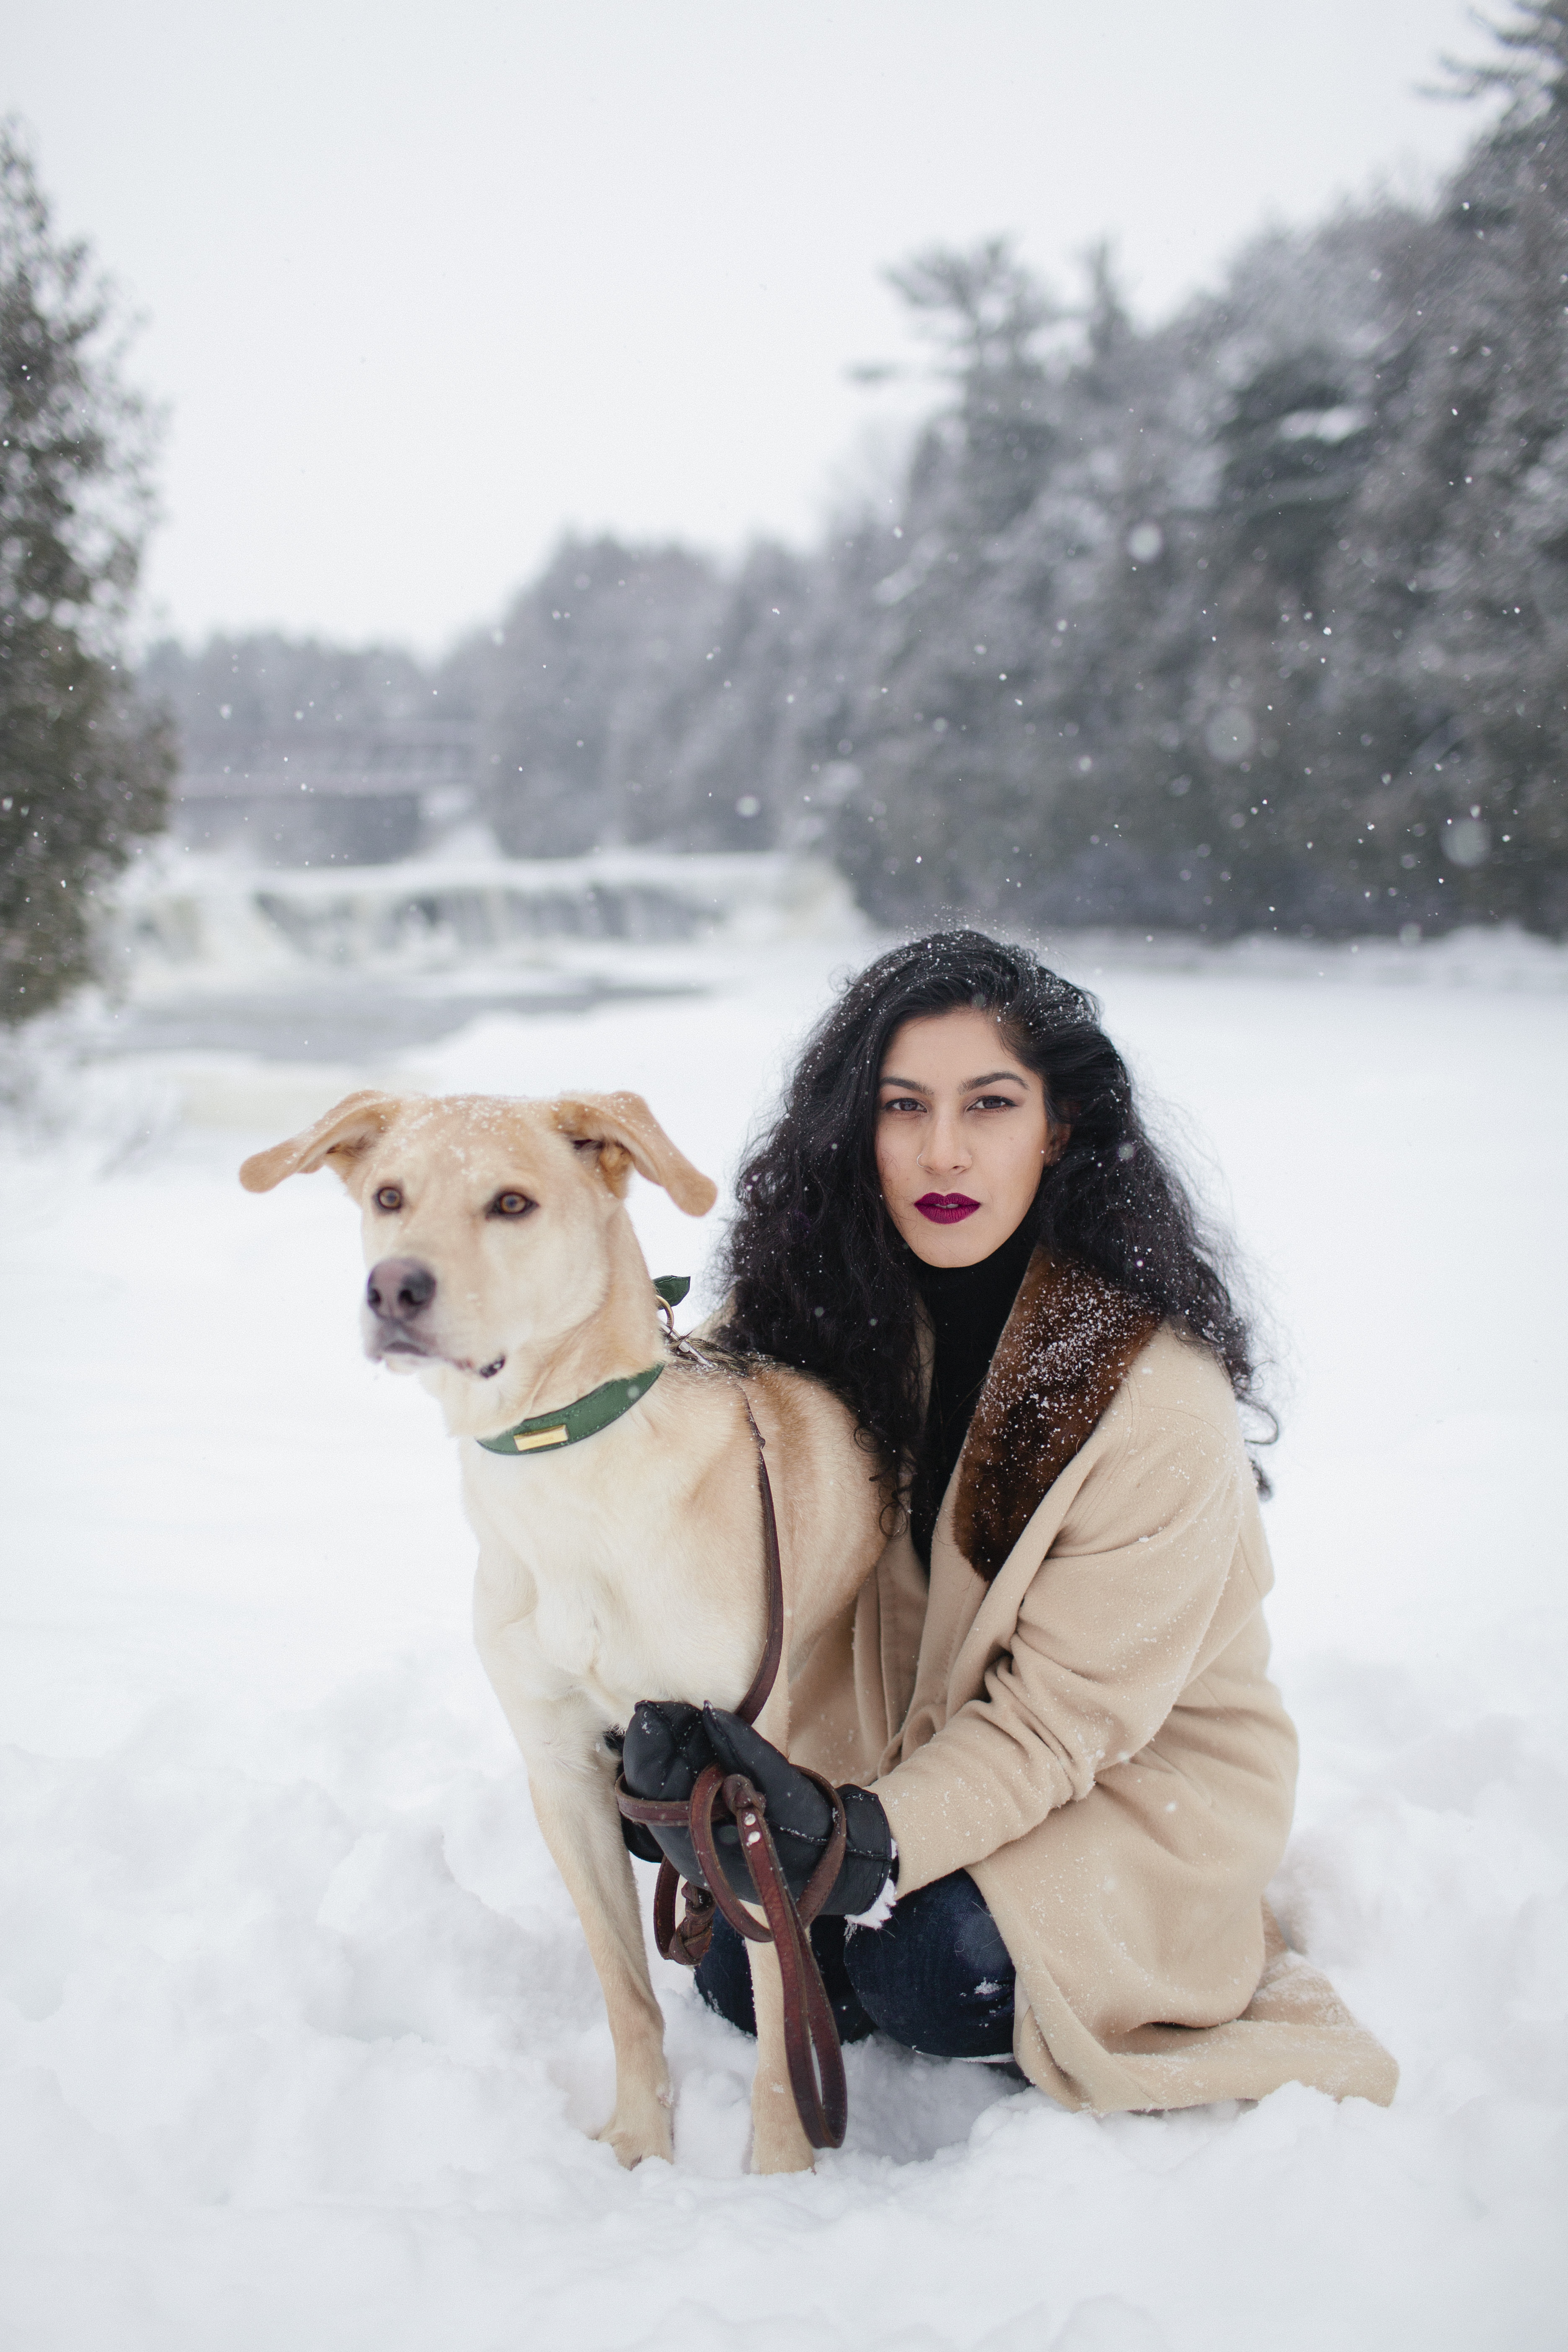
x,y
963,1133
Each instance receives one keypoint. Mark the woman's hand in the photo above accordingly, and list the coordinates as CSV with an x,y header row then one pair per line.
x,y
669,1744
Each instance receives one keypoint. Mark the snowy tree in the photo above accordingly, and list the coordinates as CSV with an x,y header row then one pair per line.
x,y
724,759
1485,653
83,766
924,792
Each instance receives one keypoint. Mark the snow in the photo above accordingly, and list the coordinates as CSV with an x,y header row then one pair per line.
x,y
299,2040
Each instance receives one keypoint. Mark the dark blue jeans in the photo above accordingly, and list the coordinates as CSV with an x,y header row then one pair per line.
x,y
937,1978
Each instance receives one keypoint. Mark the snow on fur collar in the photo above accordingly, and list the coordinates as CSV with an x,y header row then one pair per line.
x,y
1066,1351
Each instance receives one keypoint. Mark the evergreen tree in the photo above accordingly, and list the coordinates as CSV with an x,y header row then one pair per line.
x,y
1475,517
929,804
83,766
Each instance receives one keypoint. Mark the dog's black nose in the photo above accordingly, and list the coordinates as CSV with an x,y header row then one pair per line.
x,y
399,1289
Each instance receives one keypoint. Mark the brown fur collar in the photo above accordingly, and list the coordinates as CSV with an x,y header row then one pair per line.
x,y
1065,1353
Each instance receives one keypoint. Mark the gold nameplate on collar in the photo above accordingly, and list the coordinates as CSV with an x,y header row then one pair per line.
x,y
538,1437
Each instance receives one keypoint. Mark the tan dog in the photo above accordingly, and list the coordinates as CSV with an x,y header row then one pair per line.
x,y
504,1269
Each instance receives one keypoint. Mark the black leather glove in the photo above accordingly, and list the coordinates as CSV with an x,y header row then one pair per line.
x,y
669,1744
640,1840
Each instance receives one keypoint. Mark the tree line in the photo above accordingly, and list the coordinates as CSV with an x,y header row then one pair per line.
x,y
1256,618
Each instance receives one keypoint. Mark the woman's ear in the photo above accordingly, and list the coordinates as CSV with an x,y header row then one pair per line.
x,y
1061,1120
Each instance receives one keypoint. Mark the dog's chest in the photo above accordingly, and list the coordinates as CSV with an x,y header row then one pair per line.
x,y
569,1625
579,1639
591,1586
549,1607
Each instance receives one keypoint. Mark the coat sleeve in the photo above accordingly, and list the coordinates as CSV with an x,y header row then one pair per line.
x,y
1106,1639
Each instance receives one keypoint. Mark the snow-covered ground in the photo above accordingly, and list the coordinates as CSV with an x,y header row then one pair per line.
x,y
299,2044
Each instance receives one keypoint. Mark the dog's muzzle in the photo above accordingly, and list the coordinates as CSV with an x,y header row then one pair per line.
x,y
397,1295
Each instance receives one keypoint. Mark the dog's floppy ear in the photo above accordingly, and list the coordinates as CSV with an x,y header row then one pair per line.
x,y
340,1135
628,1136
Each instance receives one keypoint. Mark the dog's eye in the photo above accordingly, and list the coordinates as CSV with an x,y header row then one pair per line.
x,y
389,1197
511,1204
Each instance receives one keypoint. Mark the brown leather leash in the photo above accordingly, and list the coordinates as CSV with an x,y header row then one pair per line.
x,y
811,2038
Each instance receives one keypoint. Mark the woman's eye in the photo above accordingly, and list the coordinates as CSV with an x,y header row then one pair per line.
x,y
511,1204
994,1102
389,1197
903,1102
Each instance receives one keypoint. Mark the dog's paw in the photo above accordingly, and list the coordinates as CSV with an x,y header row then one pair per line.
x,y
638,2135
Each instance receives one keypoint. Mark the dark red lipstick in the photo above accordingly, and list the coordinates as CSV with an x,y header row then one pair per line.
x,y
947,1208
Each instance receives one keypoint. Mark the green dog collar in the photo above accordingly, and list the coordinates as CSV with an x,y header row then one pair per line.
x,y
586,1416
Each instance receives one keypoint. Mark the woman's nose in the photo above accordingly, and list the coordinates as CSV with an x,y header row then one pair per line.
x,y
944,1145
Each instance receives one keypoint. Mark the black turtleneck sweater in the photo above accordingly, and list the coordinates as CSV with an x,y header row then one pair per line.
x,y
968,1306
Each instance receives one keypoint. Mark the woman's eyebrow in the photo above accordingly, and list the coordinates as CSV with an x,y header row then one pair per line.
x,y
966,1086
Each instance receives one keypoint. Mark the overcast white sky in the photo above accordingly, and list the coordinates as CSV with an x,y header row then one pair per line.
x,y
424,286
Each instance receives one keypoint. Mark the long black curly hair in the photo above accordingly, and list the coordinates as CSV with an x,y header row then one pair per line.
x,y
821,1279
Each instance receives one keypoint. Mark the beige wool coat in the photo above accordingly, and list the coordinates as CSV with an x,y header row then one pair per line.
x,y
1076,1709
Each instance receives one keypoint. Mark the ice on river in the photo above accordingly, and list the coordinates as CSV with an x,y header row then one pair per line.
x,y
300,2043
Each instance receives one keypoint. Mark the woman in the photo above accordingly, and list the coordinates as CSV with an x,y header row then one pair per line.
x,y
1067,1778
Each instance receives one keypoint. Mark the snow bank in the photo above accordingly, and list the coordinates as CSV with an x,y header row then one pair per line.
x,y
299,2046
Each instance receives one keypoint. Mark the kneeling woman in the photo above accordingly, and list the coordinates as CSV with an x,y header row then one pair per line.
x,y
1068,1778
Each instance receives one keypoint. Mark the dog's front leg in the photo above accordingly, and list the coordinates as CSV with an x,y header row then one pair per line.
x,y
576,1813
571,1777
778,2143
